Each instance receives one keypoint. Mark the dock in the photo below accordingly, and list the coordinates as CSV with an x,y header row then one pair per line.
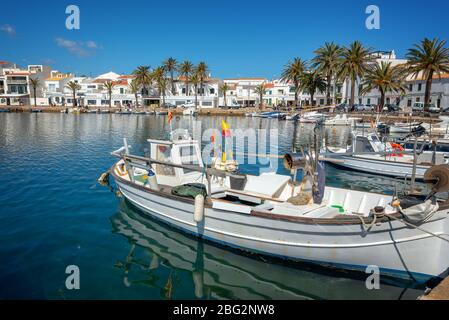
x,y
440,292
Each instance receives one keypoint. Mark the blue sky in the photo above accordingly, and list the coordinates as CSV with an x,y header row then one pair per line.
x,y
235,38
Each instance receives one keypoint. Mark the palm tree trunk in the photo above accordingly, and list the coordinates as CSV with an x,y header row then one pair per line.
x,y
172,84
74,104
137,100
201,87
296,93
34,93
224,96
382,100
187,88
428,91
312,94
328,91
110,101
196,98
352,99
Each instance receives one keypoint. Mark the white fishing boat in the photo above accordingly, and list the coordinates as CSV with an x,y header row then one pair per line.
x,y
400,127
341,120
190,112
271,214
312,117
365,155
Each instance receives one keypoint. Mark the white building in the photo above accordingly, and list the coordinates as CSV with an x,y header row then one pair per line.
x,y
15,86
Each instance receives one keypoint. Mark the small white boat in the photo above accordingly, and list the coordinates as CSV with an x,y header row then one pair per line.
x,y
267,214
341,120
312,117
293,117
190,111
399,127
393,163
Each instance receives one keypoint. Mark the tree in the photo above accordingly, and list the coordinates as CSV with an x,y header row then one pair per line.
x,y
186,70
35,83
74,87
201,71
354,63
171,66
224,88
195,80
385,78
326,62
311,82
293,71
134,88
260,90
161,82
143,77
109,86
428,58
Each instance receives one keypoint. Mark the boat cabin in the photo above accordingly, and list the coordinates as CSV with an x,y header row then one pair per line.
x,y
369,143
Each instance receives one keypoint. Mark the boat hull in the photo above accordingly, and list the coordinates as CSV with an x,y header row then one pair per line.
x,y
379,167
397,250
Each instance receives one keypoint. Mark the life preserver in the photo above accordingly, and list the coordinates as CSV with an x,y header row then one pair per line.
x,y
120,169
397,147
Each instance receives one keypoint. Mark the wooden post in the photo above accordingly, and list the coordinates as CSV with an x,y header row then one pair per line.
x,y
415,161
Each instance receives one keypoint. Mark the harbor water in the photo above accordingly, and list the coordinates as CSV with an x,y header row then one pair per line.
x,y
54,214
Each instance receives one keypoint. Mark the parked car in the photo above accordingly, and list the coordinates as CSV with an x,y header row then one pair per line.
x,y
363,107
168,105
391,108
342,107
419,107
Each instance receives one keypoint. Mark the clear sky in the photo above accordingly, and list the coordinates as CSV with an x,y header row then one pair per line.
x,y
235,38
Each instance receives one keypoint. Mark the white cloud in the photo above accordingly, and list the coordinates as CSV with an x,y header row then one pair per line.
x,y
79,48
8,29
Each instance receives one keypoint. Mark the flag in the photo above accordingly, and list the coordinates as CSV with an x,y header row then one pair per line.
x,y
170,116
226,129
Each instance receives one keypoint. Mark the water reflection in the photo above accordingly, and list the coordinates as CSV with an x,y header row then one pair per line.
x,y
218,273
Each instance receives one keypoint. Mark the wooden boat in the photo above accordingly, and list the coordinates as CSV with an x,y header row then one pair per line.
x,y
393,163
222,274
340,227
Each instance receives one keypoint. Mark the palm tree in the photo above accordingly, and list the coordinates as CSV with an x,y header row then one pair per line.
x,y
134,88
195,80
186,70
74,87
428,58
326,61
171,66
224,88
161,82
109,86
35,83
143,77
311,82
260,90
293,71
201,71
385,78
354,63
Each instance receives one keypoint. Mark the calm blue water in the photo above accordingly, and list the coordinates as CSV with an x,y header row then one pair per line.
x,y
54,214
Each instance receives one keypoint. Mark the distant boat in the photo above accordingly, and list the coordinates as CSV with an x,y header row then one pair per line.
x,y
190,112
161,113
150,113
124,112
5,110
341,120
138,112
36,110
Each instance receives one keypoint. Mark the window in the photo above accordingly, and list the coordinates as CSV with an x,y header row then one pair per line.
x,y
360,100
321,101
439,103
122,91
410,87
91,87
418,99
212,90
281,91
369,101
419,86
409,102
292,89
206,103
91,102
104,102
52,87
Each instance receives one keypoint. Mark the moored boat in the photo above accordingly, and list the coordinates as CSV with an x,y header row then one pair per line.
x,y
270,214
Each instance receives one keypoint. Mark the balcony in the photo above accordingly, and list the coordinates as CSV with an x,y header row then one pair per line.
x,y
22,82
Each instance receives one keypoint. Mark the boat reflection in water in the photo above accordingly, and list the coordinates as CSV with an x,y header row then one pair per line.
x,y
219,273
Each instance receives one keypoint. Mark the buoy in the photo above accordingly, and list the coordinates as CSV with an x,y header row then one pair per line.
x,y
104,178
152,181
198,281
198,214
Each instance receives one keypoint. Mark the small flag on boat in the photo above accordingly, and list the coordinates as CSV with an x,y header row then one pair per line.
x,y
170,116
226,129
